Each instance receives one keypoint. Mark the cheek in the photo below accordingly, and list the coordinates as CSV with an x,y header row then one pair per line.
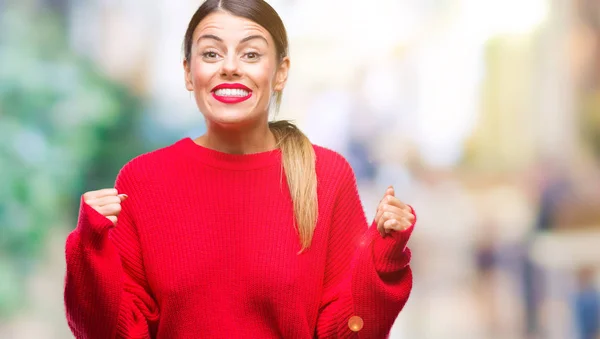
x,y
262,75
202,74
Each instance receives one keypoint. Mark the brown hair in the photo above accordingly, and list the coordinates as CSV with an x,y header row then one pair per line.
x,y
297,151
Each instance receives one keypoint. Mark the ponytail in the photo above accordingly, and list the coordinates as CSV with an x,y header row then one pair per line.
x,y
298,158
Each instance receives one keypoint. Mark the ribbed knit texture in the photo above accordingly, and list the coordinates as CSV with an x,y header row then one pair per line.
x,y
205,247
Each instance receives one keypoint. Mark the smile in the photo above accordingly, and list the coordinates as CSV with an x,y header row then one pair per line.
x,y
231,93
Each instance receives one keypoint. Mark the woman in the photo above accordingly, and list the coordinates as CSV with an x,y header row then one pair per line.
x,y
248,231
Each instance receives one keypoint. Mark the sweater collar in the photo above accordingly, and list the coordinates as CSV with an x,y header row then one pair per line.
x,y
230,161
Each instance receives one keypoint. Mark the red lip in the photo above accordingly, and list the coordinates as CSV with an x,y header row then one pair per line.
x,y
231,100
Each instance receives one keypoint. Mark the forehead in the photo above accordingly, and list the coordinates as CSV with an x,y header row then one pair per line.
x,y
224,24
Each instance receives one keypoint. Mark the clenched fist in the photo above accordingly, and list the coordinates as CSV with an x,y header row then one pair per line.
x,y
393,214
106,201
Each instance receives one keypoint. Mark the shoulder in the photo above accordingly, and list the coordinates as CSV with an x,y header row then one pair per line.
x,y
332,166
335,177
331,160
149,163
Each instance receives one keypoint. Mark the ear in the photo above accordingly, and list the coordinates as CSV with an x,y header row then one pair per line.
x,y
281,75
189,85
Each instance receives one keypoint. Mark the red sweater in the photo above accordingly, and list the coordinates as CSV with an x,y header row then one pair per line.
x,y
205,247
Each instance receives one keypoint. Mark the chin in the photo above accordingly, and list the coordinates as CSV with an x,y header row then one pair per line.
x,y
231,119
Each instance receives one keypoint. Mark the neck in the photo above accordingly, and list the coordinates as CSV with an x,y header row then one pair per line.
x,y
238,141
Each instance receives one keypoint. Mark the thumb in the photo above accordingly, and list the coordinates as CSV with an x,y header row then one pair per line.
x,y
390,191
123,197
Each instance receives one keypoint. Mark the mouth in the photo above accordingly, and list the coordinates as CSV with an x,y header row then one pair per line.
x,y
231,93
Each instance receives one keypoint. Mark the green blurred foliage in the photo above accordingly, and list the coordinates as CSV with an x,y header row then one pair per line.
x,y
64,128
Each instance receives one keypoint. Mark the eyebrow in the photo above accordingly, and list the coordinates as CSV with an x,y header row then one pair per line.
x,y
246,39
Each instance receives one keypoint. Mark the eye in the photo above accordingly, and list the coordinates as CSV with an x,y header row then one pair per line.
x,y
210,55
252,56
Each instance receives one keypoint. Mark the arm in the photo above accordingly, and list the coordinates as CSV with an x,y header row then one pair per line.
x,y
106,294
366,275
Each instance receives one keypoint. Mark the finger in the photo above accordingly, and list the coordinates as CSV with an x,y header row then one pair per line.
x,y
385,217
380,227
395,225
391,200
399,225
378,215
122,197
380,211
403,218
380,208
99,193
391,191
393,209
388,191
112,209
113,219
410,217
382,205
106,200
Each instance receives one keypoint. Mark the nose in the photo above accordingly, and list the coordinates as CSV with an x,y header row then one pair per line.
x,y
230,67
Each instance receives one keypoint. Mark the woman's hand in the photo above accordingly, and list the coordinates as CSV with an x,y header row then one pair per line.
x,y
393,214
106,201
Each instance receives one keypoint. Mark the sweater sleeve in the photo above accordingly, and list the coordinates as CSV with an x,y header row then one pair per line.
x,y
106,294
367,277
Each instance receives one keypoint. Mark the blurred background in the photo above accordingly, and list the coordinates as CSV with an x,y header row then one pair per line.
x,y
484,114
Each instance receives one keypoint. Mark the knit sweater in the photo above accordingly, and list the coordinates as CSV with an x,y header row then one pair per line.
x,y
205,247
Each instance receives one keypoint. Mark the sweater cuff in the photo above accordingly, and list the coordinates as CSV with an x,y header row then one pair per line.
x,y
92,226
390,253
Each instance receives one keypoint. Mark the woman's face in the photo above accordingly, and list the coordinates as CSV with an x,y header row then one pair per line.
x,y
233,70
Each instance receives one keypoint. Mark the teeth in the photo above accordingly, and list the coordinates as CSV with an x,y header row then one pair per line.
x,y
228,92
